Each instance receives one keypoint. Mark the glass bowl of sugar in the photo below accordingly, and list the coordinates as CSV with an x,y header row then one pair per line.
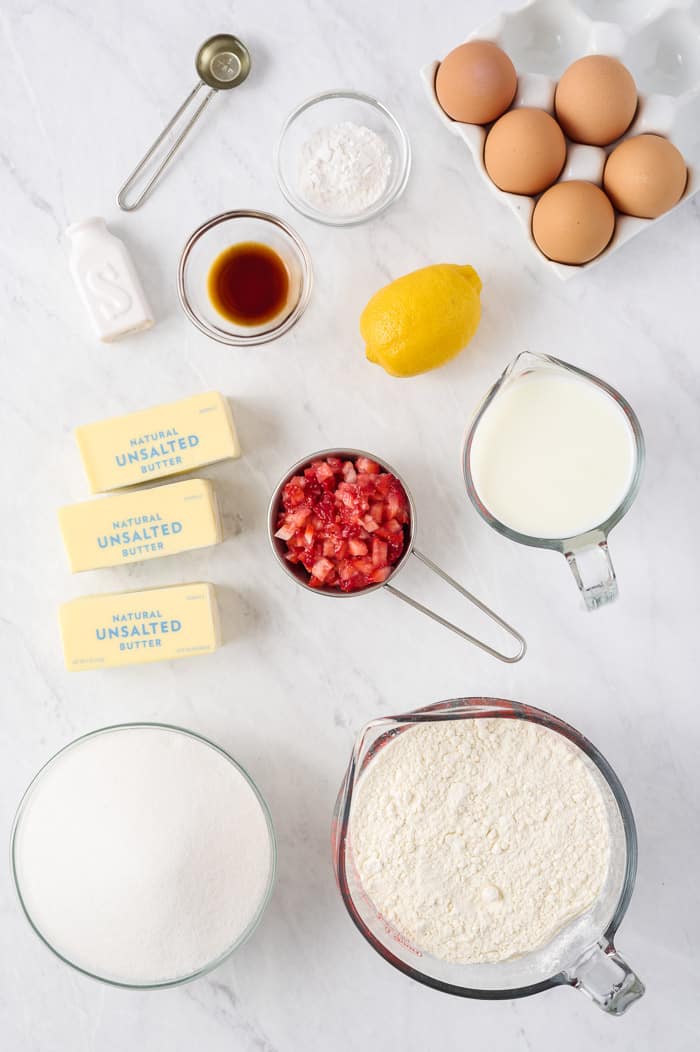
x,y
342,158
143,855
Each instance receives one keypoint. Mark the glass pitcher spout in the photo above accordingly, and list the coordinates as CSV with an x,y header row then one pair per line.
x,y
529,362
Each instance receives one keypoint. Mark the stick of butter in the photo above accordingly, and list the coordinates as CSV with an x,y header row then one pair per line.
x,y
154,443
132,628
141,524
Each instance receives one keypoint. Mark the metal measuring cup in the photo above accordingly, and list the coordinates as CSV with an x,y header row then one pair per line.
x,y
299,573
222,62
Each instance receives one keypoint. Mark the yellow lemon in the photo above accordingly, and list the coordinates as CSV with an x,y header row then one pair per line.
x,y
423,319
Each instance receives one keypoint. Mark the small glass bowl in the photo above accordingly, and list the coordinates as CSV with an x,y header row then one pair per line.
x,y
228,951
219,233
325,110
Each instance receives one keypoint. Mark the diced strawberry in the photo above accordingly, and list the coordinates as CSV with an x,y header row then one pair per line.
x,y
293,492
343,522
392,526
334,547
377,511
349,473
393,505
363,566
324,471
345,495
380,552
321,569
396,546
325,508
298,518
345,570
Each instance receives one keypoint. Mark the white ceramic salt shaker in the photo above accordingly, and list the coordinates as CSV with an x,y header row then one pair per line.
x,y
106,278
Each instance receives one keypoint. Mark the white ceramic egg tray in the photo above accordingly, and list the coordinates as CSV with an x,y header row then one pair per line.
x,y
658,41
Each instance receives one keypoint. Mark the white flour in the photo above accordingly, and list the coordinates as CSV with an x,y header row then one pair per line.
x,y
479,839
344,169
142,855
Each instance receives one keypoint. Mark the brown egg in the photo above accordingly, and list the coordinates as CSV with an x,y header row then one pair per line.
x,y
525,151
573,222
645,176
596,100
476,82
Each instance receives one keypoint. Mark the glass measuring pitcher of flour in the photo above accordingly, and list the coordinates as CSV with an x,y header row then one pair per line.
x,y
553,459
581,955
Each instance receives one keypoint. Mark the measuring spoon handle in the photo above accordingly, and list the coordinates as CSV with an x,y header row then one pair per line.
x,y
509,659
172,125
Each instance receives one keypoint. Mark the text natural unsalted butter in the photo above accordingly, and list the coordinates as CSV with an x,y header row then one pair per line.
x,y
154,443
130,628
141,524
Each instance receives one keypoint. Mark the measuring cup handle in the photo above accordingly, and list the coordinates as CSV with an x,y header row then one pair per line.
x,y
173,124
593,571
606,978
510,659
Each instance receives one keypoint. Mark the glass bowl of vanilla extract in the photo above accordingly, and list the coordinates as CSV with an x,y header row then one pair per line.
x,y
244,278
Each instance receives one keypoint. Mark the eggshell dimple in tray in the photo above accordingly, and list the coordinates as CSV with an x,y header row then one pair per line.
x,y
659,42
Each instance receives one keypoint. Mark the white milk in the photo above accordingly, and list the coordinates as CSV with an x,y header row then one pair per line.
x,y
553,455
142,855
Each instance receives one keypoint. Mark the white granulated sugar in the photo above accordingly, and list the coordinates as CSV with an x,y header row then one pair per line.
x,y
344,169
480,839
142,855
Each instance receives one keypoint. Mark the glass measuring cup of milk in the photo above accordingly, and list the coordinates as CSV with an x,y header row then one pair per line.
x,y
582,955
553,459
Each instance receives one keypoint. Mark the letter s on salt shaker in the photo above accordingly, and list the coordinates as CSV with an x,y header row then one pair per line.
x,y
107,281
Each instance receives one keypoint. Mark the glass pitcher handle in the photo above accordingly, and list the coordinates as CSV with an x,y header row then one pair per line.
x,y
606,978
593,570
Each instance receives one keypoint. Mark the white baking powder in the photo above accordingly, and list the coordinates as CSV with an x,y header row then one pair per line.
x,y
480,839
142,854
344,169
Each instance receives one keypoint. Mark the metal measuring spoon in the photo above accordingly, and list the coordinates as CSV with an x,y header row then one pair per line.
x,y
222,62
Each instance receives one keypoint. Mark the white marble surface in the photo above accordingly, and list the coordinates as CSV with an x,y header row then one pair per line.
x,y
85,87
